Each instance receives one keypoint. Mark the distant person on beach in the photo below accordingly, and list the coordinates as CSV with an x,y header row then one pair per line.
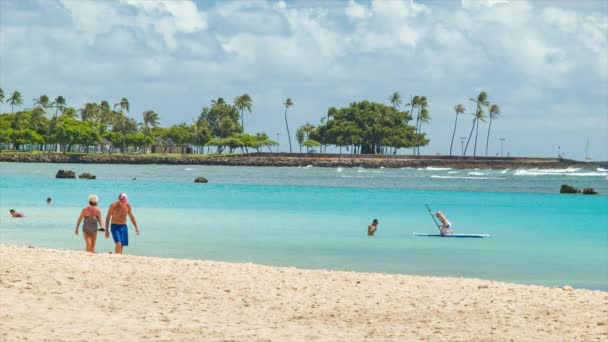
x,y
48,200
446,225
117,213
16,213
371,229
91,216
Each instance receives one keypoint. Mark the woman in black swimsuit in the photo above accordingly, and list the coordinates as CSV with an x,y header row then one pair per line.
x,y
91,216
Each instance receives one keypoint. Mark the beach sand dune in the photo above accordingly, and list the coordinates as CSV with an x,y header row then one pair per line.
x,y
73,296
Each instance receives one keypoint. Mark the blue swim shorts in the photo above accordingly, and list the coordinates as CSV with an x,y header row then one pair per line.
x,y
120,233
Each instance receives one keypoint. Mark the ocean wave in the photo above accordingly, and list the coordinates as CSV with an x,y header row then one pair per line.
x,y
432,168
505,171
601,169
465,177
188,169
453,172
546,172
477,174
339,169
349,176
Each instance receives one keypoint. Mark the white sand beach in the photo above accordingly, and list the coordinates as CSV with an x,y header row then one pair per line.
x,y
53,295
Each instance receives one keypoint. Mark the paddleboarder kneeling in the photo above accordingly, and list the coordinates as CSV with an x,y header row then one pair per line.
x,y
371,229
445,224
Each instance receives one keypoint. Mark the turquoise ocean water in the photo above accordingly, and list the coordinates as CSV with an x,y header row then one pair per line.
x,y
317,218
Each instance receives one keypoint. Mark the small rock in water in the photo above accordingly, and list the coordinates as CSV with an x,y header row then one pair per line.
x,y
589,191
87,175
200,180
65,174
568,189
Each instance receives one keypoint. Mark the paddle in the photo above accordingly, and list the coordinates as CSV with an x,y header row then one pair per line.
x,y
433,216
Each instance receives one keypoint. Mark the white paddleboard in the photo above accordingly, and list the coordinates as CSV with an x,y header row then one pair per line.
x,y
455,235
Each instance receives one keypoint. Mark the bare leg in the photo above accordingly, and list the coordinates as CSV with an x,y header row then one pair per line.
x,y
118,248
93,239
87,240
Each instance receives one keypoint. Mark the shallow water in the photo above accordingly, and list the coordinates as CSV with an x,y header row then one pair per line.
x,y
317,218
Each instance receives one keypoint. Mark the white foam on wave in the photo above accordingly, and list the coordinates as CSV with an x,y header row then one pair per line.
x,y
464,177
477,174
348,176
453,172
188,169
308,166
601,169
552,172
339,169
505,171
432,168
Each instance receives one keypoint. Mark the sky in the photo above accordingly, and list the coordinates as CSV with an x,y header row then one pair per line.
x,y
545,63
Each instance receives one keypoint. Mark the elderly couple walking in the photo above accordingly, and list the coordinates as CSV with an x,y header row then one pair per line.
x,y
117,215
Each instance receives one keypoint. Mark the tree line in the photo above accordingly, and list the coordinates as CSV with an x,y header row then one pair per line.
x,y
362,127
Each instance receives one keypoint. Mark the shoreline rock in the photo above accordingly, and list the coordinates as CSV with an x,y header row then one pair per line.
x,y
200,180
87,175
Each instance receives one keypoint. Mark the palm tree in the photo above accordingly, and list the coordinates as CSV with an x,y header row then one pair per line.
x,y
1,95
459,109
123,104
481,101
89,112
421,106
288,103
150,119
480,116
241,103
395,99
43,102
494,113
59,104
15,100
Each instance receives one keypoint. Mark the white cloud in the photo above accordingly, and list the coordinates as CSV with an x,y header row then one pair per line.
x,y
564,20
355,11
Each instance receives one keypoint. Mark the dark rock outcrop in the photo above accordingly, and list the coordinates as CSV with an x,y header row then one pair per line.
x,y
65,174
589,191
568,189
87,175
201,180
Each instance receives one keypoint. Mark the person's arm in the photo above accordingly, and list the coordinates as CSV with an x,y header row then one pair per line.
x,y
133,220
108,216
78,223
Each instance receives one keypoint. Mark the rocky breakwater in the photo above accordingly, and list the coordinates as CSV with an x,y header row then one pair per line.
x,y
65,174
294,160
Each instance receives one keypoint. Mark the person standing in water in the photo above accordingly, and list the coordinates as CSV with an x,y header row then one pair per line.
x,y
91,216
117,215
371,229
445,224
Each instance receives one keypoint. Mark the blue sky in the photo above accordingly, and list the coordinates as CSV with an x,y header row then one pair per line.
x,y
545,63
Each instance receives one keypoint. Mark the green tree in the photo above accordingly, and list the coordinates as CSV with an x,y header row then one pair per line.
x,y
15,100
59,104
300,136
89,112
494,114
243,103
288,103
481,101
123,104
1,95
150,120
310,144
459,109
395,100
43,102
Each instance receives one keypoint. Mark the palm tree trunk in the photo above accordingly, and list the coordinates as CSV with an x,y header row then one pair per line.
x,y
476,134
453,134
488,138
470,135
242,122
287,125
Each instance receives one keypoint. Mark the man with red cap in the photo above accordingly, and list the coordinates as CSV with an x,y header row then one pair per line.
x,y
118,212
